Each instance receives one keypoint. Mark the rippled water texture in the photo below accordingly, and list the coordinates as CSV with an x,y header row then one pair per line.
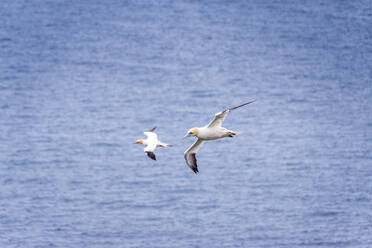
x,y
81,80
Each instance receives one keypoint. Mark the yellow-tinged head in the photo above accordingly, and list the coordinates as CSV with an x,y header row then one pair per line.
x,y
192,132
140,141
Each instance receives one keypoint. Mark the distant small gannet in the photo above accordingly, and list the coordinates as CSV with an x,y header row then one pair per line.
x,y
212,131
151,143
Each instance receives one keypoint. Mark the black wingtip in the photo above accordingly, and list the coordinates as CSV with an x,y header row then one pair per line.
x,y
241,105
152,129
151,155
191,162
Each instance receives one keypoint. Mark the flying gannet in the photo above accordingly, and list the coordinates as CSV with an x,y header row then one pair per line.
x,y
151,143
212,131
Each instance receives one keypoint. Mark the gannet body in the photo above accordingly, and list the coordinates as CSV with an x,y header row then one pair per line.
x,y
151,143
212,131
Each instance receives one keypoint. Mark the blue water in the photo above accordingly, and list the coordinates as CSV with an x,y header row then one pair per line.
x,y
81,80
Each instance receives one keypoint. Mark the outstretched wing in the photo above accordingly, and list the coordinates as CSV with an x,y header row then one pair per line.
x,y
151,155
152,129
190,155
220,116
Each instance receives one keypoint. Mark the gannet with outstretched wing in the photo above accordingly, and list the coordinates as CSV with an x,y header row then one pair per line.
x,y
212,131
151,143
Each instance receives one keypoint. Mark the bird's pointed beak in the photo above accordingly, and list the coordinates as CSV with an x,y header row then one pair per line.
x,y
187,135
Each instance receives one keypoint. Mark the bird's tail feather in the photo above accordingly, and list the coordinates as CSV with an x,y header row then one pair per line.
x,y
164,145
233,133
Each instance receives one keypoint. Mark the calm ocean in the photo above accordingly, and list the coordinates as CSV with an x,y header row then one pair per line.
x,y
81,80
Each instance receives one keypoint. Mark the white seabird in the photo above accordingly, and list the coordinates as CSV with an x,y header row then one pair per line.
x,y
212,131
151,143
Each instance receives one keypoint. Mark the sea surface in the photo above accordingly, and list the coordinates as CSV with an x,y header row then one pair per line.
x,y
80,81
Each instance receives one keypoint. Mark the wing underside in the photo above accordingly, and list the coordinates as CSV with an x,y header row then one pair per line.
x,y
190,155
220,116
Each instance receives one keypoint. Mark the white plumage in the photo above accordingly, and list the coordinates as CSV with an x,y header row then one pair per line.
x,y
151,143
212,131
